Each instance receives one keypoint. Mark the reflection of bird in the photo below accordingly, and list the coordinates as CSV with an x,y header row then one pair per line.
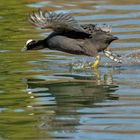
x,y
71,37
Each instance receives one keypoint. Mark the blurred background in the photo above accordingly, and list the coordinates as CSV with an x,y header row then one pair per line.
x,y
48,94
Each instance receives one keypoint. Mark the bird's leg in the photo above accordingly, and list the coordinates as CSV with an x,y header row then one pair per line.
x,y
96,71
96,63
98,76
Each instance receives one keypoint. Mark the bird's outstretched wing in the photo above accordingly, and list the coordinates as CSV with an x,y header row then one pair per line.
x,y
61,22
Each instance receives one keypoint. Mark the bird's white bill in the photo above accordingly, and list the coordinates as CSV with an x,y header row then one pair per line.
x,y
24,49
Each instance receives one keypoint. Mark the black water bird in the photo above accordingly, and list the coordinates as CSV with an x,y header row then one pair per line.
x,y
71,37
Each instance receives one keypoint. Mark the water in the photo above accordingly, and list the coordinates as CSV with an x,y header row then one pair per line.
x,y
48,95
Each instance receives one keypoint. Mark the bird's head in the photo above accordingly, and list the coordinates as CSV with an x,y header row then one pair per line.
x,y
33,45
109,38
104,40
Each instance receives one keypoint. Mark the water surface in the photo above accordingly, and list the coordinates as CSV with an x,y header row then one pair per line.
x,y
50,95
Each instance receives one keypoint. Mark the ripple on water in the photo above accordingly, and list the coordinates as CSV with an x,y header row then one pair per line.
x,y
44,4
3,51
120,7
108,16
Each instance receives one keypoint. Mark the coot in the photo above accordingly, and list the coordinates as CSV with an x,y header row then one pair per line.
x,y
71,37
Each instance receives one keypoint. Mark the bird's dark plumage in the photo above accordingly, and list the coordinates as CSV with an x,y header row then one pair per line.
x,y
68,35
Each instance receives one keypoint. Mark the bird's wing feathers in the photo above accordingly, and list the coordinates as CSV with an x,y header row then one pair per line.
x,y
104,27
58,22
93,28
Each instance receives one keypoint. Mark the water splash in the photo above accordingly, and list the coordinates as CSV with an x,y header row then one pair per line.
x,y
129,59
82,63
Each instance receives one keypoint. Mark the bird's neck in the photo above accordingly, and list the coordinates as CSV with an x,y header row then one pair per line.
x,y
40,44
